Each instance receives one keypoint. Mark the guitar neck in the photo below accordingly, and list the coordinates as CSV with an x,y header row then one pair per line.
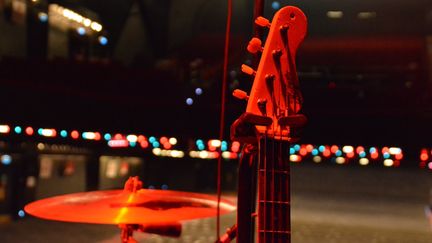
x,y
274,224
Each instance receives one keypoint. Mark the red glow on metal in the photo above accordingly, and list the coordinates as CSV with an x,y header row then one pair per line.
x,y
29,131
75,134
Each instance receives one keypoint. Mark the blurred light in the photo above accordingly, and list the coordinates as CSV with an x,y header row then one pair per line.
x,y
4,129
326,153
374,155
364,161
63,133
340,160
317,159
118,143
309,148
155,144
334,148
362,154
372,150
75,134
366,15
164,187
334,14
21,213
103,40
107,136
359,149
81,31
321,148
399,156
386,155
47,132
43,17
152,139
201,146
275,5
385,150
189,101
166,145
132,138
18,129
6,159
163,140
229,155
29,131
295,158
350,155
224,146
198,91
235,147
144,144
215,143
430,165
297,147
388,162
96,26
292,151
315,152
347,149
338,153
303,152
41,146
394,150
89,135
173,141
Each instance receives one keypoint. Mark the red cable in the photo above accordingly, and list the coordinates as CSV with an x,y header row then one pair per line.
x,y
222,114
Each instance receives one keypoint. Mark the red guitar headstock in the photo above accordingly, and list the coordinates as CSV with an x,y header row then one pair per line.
x,y
275,92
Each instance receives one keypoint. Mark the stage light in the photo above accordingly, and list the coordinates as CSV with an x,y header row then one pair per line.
x,y
63,133
348,149
21,213
189,101
275,5
317,159
6,159
366,15
132,138
374,155
103,40
364,161
295,158
173,141
155,144
394,150
107,136
340,160
29,131
334,14
18,129
81,31
4,129
388,162
75,134
198,91
47,132
43,17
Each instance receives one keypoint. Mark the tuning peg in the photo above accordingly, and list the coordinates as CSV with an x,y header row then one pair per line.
x,y
248,70
240,94
263,22
254,45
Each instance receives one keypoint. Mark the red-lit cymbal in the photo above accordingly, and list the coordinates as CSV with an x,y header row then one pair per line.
x,y
121,207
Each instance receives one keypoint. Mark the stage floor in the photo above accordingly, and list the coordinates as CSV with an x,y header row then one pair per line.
x,y
324,210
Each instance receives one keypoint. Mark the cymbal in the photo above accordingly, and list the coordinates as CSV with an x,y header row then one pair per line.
x,y
142,206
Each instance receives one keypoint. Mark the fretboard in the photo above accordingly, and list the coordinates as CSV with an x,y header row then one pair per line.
x,y
274,225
